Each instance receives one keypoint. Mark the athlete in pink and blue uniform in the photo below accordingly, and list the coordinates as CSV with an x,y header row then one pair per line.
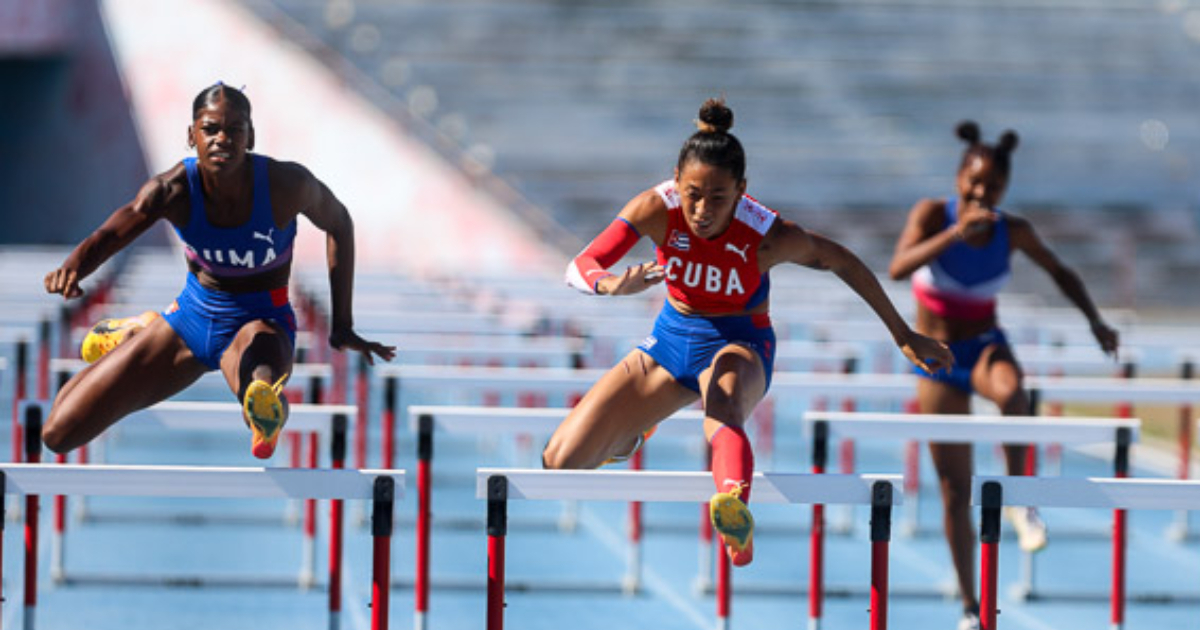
x,y
236,215
713,340
957,252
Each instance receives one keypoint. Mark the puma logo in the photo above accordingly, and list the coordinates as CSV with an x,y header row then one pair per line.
x,y
740,252
265,237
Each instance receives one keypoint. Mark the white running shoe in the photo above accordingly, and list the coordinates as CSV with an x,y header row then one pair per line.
x,y
1031,531
970,621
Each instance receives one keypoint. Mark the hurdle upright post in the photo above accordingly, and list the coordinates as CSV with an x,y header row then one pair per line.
x,y
497,529
1179,530
424,487
58,539
816,588
391,387
381,532
19,391
881,534
989,543
362,397
337,456
1120,471
33,455
316,395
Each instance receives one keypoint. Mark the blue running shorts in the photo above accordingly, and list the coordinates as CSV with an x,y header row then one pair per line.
x,y
208,320
966,355
686,344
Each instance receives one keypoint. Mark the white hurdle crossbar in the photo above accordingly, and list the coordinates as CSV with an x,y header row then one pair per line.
x,y
383,487
1118,494
326,420
967,429
426,420
498,486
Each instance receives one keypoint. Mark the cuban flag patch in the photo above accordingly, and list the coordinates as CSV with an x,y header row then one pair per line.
x,y
679,240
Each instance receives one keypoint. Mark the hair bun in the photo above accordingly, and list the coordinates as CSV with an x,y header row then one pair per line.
x,y
968,131
1008,141
715,117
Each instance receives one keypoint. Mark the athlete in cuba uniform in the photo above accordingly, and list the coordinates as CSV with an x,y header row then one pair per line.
x,y
957,252
713,340
236,214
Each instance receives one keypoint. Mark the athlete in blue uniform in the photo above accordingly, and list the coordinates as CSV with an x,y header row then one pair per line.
x,y
957,252
236,215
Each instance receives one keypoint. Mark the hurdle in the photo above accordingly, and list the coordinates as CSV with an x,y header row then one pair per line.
x,y
426,421
1119,494
965,429
892,388
382,486
499,486
317,420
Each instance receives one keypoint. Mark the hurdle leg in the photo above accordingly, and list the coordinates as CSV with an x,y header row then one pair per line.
x,y
381,531
1121,471
424,500
309,553
497,529
881,533
337,458
33,455
816,536
704,573
633,564
724,588
989,539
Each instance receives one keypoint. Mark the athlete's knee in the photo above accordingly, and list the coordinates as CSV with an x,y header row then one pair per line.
x,y
559,456
724,409
55,435
1012,400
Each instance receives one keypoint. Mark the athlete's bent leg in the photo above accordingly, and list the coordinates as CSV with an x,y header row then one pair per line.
x,y
732,387
954,465
143,370
629,400
256,365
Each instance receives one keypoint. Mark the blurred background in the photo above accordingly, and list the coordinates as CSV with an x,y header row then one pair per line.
x,y
520,128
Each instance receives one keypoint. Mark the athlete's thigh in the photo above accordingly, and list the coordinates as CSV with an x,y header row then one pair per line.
x,y
997,376
149,367
629,399
732,386
257,343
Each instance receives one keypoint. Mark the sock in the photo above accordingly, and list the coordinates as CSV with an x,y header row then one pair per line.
x,y
732,460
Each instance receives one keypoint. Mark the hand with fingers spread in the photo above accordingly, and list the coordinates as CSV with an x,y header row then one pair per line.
x,y
926,353
635,279
347,339
64,281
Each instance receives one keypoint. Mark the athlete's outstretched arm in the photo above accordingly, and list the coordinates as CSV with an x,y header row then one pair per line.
x,y
1025,239
326,212
788,242
645,215
119,230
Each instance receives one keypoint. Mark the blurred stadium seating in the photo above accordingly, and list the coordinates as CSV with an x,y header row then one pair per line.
x,y
846,108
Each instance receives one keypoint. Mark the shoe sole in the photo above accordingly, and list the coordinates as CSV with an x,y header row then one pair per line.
x,y
734,522
265,413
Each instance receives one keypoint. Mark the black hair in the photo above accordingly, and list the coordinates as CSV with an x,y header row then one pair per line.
x,y
1000,153
217,91
712,144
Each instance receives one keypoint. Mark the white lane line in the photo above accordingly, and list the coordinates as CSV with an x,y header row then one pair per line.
x,y
654,582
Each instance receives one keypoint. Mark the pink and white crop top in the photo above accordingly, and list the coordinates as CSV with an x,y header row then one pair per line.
x,y
963,281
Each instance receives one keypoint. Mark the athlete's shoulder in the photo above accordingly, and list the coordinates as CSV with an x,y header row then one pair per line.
x,y
755,215
164,193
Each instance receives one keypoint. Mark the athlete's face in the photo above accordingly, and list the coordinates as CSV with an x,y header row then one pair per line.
x,y
981,183
221,135
708,195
